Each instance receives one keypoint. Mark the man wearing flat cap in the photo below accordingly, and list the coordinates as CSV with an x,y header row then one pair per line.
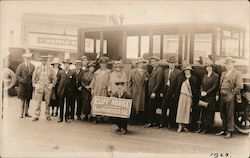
x,y
79,97
231,83
44,79
24,77
155,84
170,81
66,90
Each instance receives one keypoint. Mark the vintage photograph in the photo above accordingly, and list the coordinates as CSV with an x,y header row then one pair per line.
x,y
125,79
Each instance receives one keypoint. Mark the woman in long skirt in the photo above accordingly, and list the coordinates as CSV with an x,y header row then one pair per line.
x,y
188,95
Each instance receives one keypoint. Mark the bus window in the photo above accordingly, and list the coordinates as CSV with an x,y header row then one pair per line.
x,y
144,46
170,46
89,45
156,45
202,46
132,47
230,47
105,46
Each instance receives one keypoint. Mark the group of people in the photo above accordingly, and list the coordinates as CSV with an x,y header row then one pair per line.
x,y
178,92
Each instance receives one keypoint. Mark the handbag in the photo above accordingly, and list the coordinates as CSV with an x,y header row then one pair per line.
x,y
203,103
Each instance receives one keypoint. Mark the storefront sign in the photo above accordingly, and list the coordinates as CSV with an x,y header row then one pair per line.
x,y
109,106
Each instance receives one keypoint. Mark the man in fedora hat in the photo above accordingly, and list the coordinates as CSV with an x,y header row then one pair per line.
x,y
170,81
79,97
99,83
43,80
231,83
66,90
155,84
24,77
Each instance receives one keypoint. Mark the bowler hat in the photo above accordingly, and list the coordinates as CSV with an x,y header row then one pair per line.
x,y
171,59
67,61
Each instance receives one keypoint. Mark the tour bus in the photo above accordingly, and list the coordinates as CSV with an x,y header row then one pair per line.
x,y
191,43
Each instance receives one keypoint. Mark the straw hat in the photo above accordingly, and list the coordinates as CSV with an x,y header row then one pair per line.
x,y
229,60
154,57
44,58
56,61
171,59
27,55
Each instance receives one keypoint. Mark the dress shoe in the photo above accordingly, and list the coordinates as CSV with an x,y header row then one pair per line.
x,y
56,114
185,129
118,130
35,119
122,132
198,131
27,115
160,126
149,125
60,121
220,133
52,114
179,130
48,119
21,116
228,135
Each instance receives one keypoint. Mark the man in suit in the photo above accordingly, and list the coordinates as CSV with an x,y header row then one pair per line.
x,y
155,83
43,80
24,77
66,90
170,81
230,85
79,96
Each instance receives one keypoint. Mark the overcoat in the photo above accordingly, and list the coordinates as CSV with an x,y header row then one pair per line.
x,y
99,83
24,78
210,85
155,81
79,77
86,80
137,87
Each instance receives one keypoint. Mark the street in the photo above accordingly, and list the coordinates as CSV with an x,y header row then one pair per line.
x,y
24,138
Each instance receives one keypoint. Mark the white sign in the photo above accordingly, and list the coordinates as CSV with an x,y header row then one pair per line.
x,y
54,42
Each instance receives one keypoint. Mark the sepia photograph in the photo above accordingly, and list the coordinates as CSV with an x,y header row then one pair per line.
x,y
125,79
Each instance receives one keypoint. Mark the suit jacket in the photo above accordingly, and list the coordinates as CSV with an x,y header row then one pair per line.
x,y
79,77
24,78
155,81
51,78
172,79
67,83
236,82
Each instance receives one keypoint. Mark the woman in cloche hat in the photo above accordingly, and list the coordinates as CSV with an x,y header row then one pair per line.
x,y
187,94
54,101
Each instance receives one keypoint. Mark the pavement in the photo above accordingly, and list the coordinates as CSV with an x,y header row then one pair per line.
x,y
25,138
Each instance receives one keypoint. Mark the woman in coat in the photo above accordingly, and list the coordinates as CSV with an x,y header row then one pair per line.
x,y
138,77
187,93
209,87
86,80
54,101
